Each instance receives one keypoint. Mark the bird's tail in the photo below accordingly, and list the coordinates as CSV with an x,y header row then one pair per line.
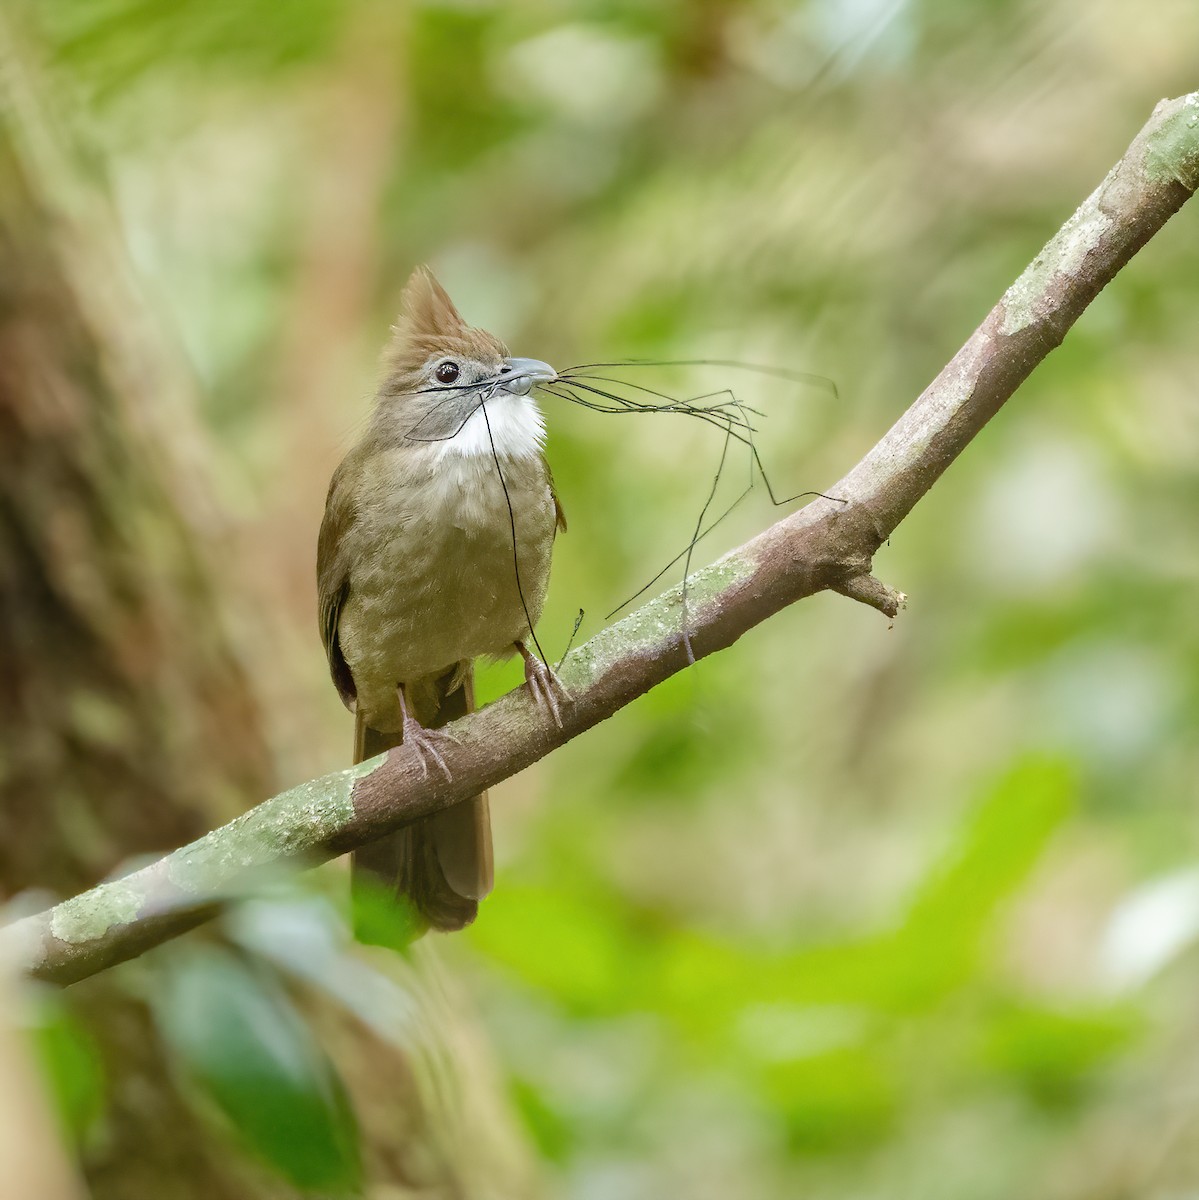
x,y
437,868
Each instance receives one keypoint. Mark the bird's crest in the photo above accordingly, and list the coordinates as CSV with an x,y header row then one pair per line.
x,y
429,324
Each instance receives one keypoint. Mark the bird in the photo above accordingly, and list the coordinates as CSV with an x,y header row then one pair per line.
x,y
435,551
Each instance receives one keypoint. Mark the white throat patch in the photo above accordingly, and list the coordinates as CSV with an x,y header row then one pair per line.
x,y
512,428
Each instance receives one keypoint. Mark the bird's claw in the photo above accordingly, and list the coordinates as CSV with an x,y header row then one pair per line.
x,y
547,690
424,745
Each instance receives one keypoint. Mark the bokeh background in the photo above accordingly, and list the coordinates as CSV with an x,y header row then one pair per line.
x,y
850,910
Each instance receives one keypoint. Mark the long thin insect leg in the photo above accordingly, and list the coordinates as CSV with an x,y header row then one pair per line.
x,y
449,437
710,418
571,640
695,538
725,412
756,458
674,404
681,554
574,398
512,525
808,377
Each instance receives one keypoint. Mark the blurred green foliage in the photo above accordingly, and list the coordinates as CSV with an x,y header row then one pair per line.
x,y
239,1037
70,1065
840,912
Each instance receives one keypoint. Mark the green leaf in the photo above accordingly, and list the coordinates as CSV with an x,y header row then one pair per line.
x,y
70,1066
832,1101
1052,1054
996,850
242,1040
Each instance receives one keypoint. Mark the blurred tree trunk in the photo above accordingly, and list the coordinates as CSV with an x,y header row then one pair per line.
x,y
125,720
128,723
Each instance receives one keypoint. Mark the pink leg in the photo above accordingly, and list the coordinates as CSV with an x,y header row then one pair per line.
x,y
424,742
547,690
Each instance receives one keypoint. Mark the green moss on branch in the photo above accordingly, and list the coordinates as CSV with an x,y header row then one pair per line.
x,y
1172,150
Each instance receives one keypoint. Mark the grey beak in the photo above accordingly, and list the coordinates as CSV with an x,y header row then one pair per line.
x,y
520,375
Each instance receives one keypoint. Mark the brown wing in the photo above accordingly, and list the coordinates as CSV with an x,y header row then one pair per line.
x,y
559,514
333,582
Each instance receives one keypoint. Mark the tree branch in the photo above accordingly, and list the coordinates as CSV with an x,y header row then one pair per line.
x,y
825,545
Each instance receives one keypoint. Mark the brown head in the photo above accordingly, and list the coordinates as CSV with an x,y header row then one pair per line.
x,y
439,369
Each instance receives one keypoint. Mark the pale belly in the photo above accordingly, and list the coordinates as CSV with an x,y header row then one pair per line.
x,y
441,583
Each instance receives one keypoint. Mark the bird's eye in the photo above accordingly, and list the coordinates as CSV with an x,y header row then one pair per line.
x,y
447,372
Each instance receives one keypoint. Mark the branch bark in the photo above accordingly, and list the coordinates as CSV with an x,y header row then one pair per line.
x,y
825,545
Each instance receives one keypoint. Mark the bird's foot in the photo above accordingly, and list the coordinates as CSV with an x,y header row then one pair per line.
x,y
548,691
427,745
